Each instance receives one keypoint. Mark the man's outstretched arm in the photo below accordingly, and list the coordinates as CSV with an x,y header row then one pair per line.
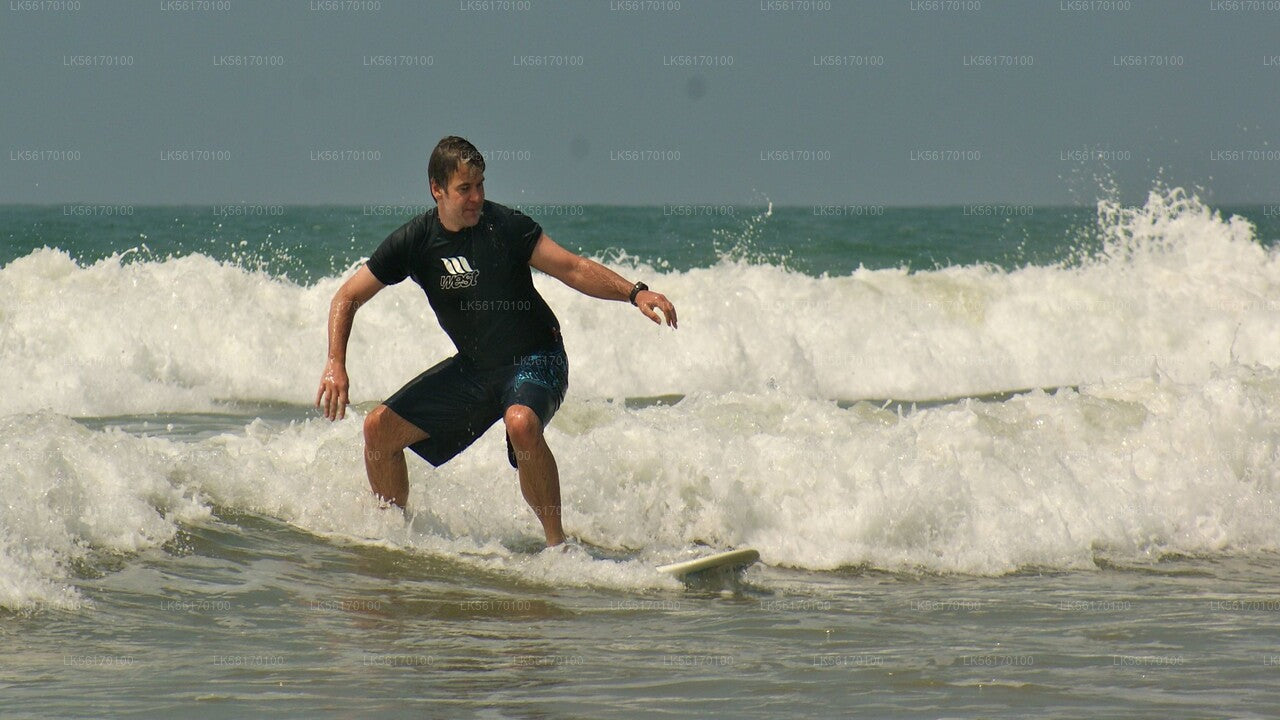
x,y
356,291
591,278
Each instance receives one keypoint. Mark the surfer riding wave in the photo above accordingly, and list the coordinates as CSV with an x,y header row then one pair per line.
x,y
473,259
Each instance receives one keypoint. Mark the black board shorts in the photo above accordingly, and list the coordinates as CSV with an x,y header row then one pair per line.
x,y
455,401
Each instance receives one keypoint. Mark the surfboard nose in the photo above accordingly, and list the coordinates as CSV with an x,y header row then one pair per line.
x,y
729,559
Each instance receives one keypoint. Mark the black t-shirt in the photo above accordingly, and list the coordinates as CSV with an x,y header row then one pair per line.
x,y
477,280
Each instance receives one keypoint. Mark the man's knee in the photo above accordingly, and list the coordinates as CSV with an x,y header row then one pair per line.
x,y
383,431
374,424
523,426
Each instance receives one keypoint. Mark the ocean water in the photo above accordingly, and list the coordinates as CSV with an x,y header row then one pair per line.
x,y
998,462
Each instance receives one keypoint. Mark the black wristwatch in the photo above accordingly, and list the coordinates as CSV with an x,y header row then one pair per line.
x,y
635,290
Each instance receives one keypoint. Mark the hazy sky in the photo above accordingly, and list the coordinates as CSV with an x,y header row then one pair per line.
x,y
904,102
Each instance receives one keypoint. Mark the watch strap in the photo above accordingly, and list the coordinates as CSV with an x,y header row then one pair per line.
x,y
635,290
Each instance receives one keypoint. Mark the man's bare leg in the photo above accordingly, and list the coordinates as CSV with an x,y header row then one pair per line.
x,y
539,477
386,435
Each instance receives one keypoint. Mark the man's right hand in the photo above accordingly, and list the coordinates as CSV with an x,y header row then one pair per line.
x,y
356,291
332,396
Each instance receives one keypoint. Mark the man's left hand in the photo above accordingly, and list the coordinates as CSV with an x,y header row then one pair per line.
x,y
651,303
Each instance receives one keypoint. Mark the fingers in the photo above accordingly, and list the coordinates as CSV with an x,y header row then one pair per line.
x,y
332,399
662,304
647,309
669,311
322,399
337,409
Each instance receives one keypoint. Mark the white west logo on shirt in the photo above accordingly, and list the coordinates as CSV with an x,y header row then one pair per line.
x,y
456,265
460,273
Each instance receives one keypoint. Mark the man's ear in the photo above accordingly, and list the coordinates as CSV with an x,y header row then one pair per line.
x,y
435,190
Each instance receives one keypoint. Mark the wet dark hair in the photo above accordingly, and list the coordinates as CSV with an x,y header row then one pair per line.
x,y
451,153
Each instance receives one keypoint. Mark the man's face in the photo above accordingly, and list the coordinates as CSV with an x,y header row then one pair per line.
x,y
461,198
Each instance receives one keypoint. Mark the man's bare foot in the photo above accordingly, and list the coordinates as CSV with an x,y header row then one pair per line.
x,y
568,545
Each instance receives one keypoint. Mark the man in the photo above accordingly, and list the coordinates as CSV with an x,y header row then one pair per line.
x,y
472,258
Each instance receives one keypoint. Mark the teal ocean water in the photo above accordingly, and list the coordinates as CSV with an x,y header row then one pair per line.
x,y
999,461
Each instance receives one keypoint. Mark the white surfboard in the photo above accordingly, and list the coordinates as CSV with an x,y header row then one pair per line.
x,y
730,559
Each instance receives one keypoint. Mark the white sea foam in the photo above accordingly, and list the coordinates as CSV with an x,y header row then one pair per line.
x,y
1128,471
73,494
1179,287
1168,446
69,492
